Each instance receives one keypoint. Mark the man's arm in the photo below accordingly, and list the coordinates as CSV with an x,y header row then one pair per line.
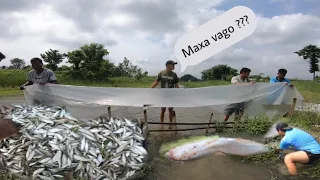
x,y
284,145
28,83
289,82
52,78
156,82
176,82
235,81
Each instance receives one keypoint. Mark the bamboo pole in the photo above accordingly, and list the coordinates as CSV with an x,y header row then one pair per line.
x,y
231,122
189,129
175,122
293,106
109,112
210,119
146,121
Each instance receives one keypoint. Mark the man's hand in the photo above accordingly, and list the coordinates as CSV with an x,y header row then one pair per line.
x,y
7,128
22,87
288,84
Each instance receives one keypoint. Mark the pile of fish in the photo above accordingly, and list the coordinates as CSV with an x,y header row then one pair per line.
x,y
52,142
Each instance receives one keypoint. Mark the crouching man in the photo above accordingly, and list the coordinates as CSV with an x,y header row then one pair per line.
x,y
306,146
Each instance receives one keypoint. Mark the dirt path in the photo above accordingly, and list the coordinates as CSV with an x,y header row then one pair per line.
x,y
12,100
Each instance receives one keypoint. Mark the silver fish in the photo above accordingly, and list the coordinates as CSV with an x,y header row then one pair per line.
x,y
53,141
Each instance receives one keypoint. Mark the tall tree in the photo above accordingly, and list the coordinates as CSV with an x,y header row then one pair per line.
x,y
17,63
188,77
88,62
218,72
311,53
127,69
53,58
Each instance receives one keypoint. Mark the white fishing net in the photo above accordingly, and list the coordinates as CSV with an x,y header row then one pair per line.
x,y
90,102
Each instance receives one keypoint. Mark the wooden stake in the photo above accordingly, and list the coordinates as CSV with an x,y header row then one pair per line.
x,y
109,112
210,119
174,121
146,121
293,106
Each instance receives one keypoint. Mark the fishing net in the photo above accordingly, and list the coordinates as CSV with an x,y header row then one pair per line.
x,y
90,102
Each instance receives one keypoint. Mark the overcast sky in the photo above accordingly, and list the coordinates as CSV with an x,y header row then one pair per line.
x,y
145,31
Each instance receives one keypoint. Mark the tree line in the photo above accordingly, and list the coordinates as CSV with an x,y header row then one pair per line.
x,y
90,62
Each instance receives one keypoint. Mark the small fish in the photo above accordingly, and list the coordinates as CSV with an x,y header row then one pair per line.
x,y
53,141
80,158
38,171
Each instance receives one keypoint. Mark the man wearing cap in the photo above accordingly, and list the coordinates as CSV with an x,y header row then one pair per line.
x,y
306,146
167,79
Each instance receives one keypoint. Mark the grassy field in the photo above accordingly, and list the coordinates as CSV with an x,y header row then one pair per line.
x,y
10,80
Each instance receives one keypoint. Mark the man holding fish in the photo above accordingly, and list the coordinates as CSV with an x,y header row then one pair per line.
x,y
306,146
39,74
168,79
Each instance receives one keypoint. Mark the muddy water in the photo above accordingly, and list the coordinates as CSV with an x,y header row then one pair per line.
x,y
216,167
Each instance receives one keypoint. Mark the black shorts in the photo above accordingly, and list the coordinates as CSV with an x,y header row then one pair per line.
x,y
312,157
235,108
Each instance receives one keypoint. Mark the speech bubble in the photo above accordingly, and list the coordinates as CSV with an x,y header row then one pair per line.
x,y
214,36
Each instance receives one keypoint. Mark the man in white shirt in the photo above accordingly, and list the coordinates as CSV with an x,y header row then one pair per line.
x,y
242,78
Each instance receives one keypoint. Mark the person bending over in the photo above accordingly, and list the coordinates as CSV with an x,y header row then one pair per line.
x,y
242,78
306,146
39,74
168,79
281,77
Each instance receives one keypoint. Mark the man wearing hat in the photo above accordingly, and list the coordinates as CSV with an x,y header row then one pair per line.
x,y
306,146
167,79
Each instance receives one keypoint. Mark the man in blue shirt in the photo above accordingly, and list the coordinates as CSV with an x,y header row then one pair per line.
x,y
281,77
306,146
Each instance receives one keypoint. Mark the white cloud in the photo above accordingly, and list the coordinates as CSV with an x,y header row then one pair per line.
x,y
145,32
